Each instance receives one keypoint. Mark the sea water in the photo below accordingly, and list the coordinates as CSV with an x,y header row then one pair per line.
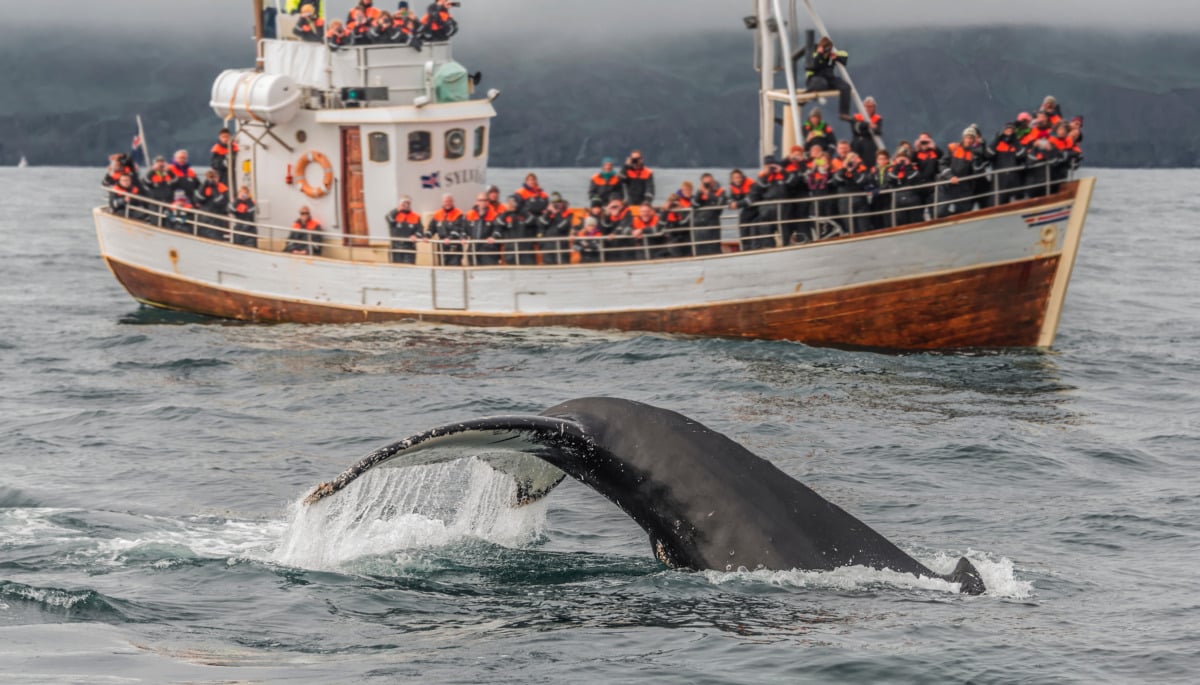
x,y
153,464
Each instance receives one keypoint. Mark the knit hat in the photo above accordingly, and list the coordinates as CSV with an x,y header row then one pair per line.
x,y
795,149
816,112
556,197
1024,116
970,131
1077,119
770,160
403,5
608,160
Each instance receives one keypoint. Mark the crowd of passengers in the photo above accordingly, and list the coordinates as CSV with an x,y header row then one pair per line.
x,y
825,182
367,24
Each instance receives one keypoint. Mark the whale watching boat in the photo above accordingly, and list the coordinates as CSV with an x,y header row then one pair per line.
x,y
348,131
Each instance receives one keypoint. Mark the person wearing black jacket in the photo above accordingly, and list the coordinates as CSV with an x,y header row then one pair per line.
x,y
962,160
770,187
637,180
554,225
448,226
865,130
223,153
902,175
405,227
511,221
243,211
822,74
122,199
709,203
158,187
739,198
483,230
928,158
309,27
854,177
213,197
1009,163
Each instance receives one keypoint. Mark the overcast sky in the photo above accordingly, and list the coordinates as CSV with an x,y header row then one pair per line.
x,y
516,17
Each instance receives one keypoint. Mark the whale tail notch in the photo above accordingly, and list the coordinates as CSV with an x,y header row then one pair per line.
x,y
968,578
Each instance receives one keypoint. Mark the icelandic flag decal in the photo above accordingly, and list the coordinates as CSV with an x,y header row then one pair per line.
x,y
1047,217
431,181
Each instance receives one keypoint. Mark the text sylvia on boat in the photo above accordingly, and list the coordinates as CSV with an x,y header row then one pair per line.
x,y
346,132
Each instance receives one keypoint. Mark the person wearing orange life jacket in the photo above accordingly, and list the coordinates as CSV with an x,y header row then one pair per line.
x,y
963,159
158,184
769,189
638,180
819,179
1024,125
511,220
358,26
1069,154
493,196
405,228
338,36
243,210
213,198
407,26
606,184
437,25
483,230
645,232
739,198
1009,163
309,27
928,156
854,179
817,131
1052,110
123,198
448,227
709,203
383,32
180,216
612,223
304,238
676,222
796,212
183,177
224,152
534,201
588,241
1039,129
553,227
369,10
865,129
822,74
902,175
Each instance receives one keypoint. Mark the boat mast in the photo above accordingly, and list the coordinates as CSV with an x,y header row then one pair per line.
x,y
766,68
774,42
258,33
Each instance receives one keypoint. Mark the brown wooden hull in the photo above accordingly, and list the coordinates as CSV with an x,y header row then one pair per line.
x,y
999,305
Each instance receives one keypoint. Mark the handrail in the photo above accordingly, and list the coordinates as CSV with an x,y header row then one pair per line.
x,y
811,219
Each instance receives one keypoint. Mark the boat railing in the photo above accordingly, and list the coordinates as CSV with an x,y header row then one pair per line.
x,y
700,231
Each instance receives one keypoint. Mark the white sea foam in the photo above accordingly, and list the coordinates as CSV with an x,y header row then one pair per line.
x,y
998,577
393,510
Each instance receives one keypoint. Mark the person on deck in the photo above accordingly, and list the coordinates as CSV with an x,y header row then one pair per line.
x,y
840,153
962,159
676,221
213,197
928,158
448,227
709,203
1039,129
770,189
534,201
383,32
407,27
512,223
819,179
180,217
822,74
817,131
554,226
637,180
493,196
881,202
645,231
122,199
1024,125
612,224
1009,162
1052,110
309,27
358,26
243,211
587,241
183,177
223,154
606,184
158,183
405,228
483,230
903,174
854,178
304,238
1070,155
369,10
338,36
865,130
437,25
739,198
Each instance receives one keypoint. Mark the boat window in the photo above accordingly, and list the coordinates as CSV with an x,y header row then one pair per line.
x,y
420,146
480,140
377,143
456,143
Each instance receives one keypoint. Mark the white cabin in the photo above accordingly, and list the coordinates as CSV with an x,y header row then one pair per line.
x,y
347,132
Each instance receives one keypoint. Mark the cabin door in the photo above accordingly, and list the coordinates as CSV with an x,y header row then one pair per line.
x,y
354,206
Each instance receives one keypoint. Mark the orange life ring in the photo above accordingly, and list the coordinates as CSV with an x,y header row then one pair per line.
x,y
326,180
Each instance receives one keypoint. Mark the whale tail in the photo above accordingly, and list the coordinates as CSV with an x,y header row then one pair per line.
x,y
967,577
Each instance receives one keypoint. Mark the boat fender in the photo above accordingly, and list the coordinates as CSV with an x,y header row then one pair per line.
x,y
326,179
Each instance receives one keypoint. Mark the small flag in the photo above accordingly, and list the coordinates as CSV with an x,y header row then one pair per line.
x,y
135,151
1047,217
431,181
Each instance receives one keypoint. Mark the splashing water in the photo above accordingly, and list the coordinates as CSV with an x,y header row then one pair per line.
x,y
392,510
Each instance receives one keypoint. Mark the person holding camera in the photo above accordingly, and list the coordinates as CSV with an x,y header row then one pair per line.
x,y
638,180
822,74
710,202
437,25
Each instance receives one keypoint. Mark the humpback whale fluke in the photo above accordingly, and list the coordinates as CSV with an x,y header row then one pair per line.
x,y
706,501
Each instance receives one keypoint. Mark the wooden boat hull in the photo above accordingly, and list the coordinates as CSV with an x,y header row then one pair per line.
x,y
989,279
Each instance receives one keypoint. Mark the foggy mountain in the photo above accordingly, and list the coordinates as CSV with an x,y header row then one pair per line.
x,y
685,100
